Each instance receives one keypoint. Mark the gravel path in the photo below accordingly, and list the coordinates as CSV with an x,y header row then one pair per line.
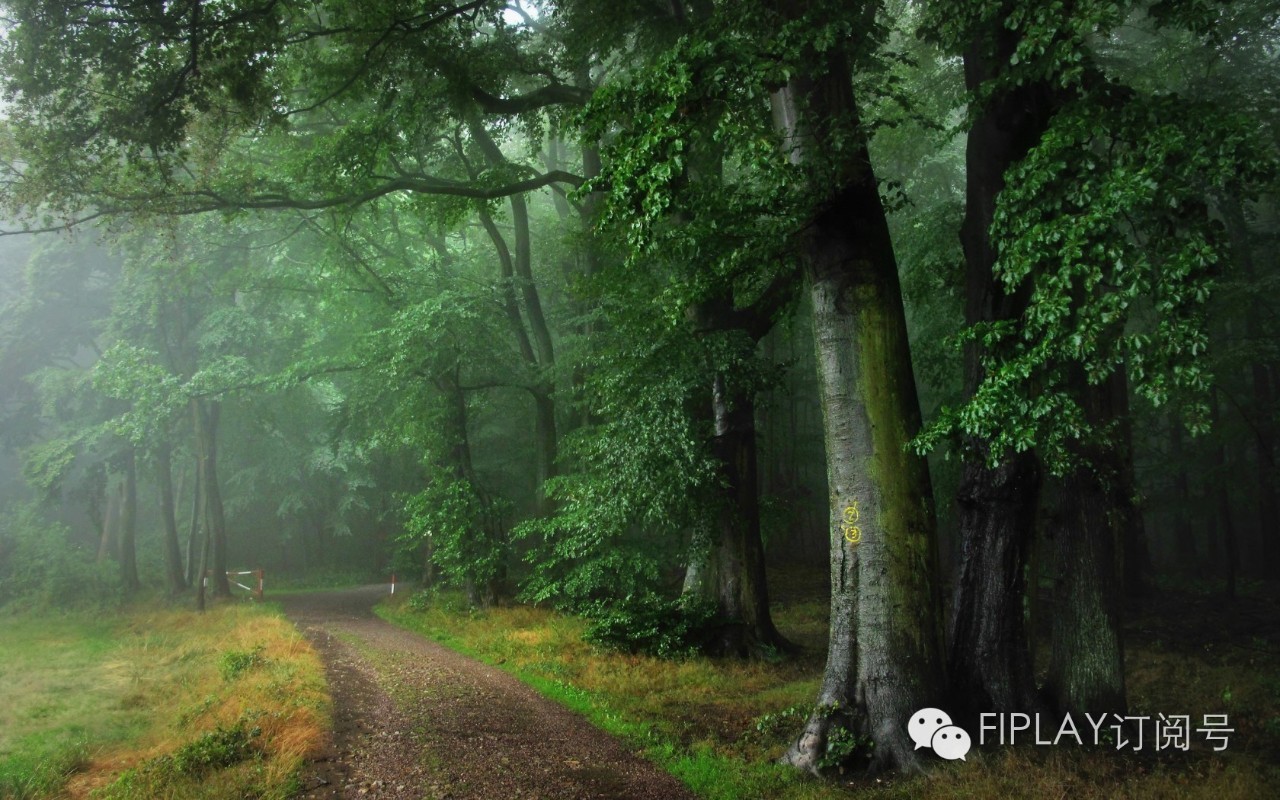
x,y
413,720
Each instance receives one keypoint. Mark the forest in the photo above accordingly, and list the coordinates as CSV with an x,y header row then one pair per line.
x,y
897,357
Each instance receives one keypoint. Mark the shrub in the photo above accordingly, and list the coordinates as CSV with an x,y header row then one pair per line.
x,y
43,568
651,624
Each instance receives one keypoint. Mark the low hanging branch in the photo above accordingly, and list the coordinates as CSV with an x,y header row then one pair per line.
x,y
204,201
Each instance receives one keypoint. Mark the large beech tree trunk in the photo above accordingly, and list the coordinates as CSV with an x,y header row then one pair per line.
x,y
884,653
989,660
1086,666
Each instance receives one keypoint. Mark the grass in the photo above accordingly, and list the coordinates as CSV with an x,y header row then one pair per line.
x,y
720,725
157,703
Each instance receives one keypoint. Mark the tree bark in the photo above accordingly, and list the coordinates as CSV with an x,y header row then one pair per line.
x,y
193,526
108,521
206,415
129,524
989,659
174,579
1086,668
1184,533
1222,502
730,573
880,495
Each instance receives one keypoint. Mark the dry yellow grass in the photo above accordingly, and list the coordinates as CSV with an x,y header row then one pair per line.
x,y
172,665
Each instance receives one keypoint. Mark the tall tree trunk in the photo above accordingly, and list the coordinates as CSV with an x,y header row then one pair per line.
x,y
535,343
109,521
1261,375
727,565
1086,668
730,575
174,578
206,415
884,656
482,592
989,658
202,580
1226,520
193,526
1135,558
546,444
129,524
1184,540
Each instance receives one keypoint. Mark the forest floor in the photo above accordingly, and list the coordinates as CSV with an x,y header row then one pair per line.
x,y
413,719
720,724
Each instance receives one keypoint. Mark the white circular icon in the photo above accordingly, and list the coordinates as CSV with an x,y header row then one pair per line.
x,y
951,742
924,723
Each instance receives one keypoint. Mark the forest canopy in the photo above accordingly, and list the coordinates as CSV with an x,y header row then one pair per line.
x,y
616,306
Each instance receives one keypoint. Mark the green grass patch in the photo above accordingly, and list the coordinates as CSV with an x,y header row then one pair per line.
x,y
720,725
153,703
64,692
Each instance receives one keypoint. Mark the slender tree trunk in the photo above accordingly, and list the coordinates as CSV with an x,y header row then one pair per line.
x,y
193,525
1127,511
108,521
881,510
546,444
535,342
172,550
129,524
206,415
1222,502
1183,533
202,579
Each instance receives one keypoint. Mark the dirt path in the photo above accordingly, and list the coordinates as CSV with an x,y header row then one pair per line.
x,y
415,720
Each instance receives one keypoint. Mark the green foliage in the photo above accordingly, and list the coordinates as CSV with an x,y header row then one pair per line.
x,y
650,624
218,749
1106,224
461,527
40,566
843,746
233,663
